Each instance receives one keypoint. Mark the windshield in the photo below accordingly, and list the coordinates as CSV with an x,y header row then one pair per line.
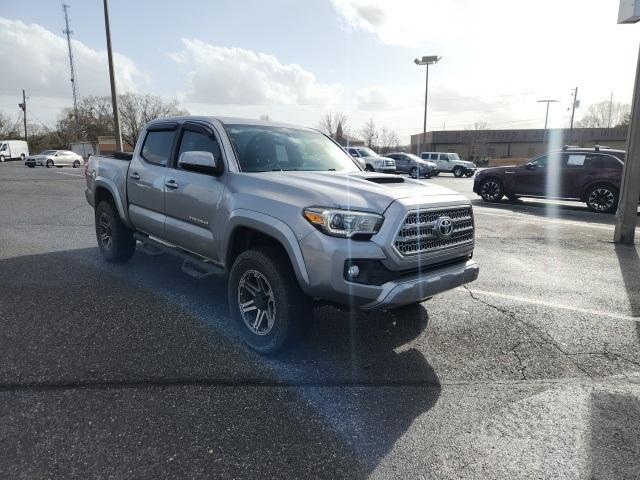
x,y
367,152
47,152
265,148
415,157
454,156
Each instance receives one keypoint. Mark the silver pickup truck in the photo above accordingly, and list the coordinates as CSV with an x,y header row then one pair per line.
x,y
286,214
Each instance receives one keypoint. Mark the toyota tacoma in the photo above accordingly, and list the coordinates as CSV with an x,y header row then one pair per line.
x,y
286,215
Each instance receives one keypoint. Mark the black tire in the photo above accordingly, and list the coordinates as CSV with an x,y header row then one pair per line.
x,y
76,164
602,198
491,190
59,166
413,173
2,158
49,163
31,166
278,294
115,239
468,174
22,157
458,171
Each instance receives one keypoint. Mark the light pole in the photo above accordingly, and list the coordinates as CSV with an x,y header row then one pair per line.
x,y
546,117
627,214
428,60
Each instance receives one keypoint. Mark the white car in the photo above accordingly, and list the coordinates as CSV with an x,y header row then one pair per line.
x,y
54,158
373,161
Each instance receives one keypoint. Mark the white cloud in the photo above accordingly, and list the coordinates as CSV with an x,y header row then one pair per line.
x,y
403,22
34,58
234,76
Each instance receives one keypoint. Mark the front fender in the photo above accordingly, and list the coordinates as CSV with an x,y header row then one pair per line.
x,y
274,228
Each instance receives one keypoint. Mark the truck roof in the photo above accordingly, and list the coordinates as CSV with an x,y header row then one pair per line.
x,y
230,121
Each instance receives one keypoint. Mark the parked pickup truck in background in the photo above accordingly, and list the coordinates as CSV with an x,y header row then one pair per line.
x,y
373,161
286,214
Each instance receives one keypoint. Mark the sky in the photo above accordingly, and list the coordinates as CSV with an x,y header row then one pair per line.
x,y
294,60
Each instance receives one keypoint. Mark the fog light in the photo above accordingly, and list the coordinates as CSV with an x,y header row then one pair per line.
x,y
353,271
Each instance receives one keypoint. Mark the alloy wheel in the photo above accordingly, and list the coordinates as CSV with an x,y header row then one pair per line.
x,y
490,190
601,199
256,302
105,232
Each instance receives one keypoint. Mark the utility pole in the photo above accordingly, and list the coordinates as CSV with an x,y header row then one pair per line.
x,y
610,110
114,95
74,85
575,104
23,106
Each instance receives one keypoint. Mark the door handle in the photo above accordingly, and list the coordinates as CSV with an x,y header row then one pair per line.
x,y
171,183
134,176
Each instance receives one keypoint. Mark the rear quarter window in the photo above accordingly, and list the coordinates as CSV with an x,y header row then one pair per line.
x,y
157,146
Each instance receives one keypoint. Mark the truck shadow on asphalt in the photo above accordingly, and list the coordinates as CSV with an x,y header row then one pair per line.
x,y
71,320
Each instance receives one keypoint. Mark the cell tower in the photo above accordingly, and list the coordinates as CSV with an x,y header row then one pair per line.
x,y
74,85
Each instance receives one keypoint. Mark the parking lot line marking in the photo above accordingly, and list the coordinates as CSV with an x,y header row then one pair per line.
x,y
67,173
571,223
534,301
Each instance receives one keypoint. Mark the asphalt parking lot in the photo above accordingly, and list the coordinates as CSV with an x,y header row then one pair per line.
x,y
135,370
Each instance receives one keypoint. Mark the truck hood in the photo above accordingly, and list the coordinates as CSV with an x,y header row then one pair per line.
x,y
366,191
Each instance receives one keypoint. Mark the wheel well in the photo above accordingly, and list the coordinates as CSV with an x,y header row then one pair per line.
x,y
497,179
102,194
598,184
244,238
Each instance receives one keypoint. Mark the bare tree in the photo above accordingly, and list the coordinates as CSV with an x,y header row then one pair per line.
x,y
477,138
137,110
625,119
598,115
388,140
8,129
369,133
329,122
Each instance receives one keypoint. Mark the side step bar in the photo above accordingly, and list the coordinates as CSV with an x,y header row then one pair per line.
x,y
191,264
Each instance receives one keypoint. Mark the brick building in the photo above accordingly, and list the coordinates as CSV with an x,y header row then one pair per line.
x,y
524,143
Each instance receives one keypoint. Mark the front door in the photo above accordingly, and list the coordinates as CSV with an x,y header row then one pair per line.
x,y
146,178
531,178
191,198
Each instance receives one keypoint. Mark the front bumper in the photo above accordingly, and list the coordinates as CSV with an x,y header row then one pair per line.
x,y
423,286
325,258
387,169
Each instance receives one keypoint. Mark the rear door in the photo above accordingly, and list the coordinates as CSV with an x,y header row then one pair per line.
x,y
192,198
444,165
575,168
401,163
146,179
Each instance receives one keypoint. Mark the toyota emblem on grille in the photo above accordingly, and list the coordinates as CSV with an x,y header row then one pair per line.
x,y
444,227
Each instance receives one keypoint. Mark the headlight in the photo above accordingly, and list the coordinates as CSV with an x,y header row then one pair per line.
x,y
343,223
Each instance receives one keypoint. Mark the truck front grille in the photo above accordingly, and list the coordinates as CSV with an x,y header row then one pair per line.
x,y
418,234
389,163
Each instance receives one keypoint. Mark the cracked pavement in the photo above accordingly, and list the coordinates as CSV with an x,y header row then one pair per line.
x,y
135,370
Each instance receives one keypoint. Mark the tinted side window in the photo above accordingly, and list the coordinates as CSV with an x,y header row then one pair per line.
x,y
199,142
157,146
604,161
434,156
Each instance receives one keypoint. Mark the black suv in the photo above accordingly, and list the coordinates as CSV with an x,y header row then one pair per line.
x,y
590,175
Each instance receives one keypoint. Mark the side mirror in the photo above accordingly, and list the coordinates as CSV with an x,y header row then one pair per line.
x,y
57,155
198,161
530,166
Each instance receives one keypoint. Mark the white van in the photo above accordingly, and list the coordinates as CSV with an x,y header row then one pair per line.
x,y
13,150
